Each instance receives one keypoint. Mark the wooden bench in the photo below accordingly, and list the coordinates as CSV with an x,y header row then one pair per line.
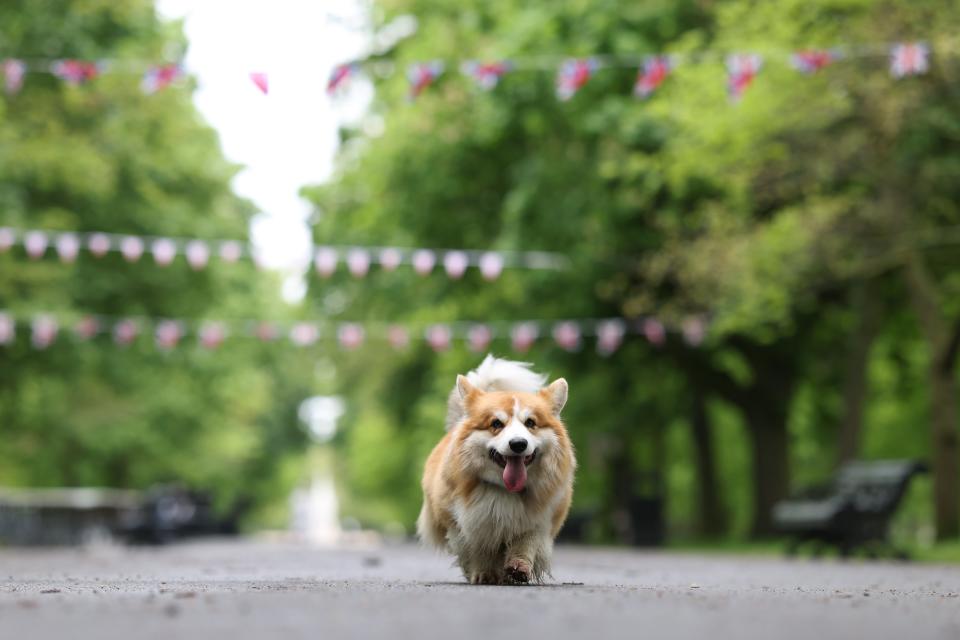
x,y
853,512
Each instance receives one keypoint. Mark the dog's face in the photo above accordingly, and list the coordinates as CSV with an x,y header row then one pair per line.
x,y
511,438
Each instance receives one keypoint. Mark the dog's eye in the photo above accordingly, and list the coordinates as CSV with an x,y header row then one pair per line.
x,y
530,423
496,424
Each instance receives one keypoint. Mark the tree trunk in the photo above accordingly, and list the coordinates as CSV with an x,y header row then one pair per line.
x,y
867,303
769,451
765,405
944,449
712,516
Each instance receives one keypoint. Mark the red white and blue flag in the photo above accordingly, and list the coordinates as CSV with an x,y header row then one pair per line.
x,y
573,75
422,75
160,77
486,74
76,72
655,70
742,69
340,77
812,60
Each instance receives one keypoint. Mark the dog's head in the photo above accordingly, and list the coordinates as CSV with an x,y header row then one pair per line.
x,y
512,438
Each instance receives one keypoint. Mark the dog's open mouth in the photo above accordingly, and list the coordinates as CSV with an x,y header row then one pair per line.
x,y
514,469
502,461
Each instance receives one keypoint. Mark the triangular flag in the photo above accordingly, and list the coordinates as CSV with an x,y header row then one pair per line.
x,y
422,75
609,336
573,75
655,70
261,80
351,335
908,59
13,72
742,68
75,72
340,77
486,74
479,337
523,335
812,60
160,77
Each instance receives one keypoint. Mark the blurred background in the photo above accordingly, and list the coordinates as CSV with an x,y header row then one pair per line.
x,y
775,236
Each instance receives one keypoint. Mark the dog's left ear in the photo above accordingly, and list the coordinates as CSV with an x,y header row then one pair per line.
x,y
556,394
464,388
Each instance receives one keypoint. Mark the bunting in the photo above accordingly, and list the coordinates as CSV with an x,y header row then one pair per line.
x,y
44,329
905,59
198,252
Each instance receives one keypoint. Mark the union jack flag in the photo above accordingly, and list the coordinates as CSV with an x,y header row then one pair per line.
x,y
340,77
76,72
486,74
573,75
422,75
655,70
742,68
160,77
812,60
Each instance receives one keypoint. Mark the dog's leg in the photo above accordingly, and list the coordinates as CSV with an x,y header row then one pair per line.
x,y
480,565
528,558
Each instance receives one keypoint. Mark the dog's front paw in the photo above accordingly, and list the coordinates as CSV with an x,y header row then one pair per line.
x,y
517,571
482,577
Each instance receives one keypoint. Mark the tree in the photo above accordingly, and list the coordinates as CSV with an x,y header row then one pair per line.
x,y
105,156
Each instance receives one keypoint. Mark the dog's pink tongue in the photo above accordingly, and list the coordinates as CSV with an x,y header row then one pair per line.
x,y
515,474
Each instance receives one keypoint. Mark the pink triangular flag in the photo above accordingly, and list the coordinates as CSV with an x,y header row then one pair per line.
x,y
261,80
351,335
479,337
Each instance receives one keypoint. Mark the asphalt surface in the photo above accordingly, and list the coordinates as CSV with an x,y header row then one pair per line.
x,y
252,589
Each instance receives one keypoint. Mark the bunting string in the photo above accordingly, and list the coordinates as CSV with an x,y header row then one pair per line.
x,y
45,329
326,258
572,74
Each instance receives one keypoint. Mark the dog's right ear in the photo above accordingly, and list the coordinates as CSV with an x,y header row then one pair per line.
x,y
464,388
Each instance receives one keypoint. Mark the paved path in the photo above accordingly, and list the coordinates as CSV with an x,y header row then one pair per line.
x,y
241,590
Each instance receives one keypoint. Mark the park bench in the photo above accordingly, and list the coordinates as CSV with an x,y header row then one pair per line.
x,y
852,512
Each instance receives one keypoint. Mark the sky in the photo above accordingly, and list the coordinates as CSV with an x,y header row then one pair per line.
x,y
288,138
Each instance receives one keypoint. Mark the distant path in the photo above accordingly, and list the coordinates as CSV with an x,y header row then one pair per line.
x,y
240,590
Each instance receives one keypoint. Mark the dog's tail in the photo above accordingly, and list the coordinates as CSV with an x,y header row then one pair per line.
x,y
495,374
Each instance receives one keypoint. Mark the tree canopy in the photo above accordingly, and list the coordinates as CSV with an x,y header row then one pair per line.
x,y
803,221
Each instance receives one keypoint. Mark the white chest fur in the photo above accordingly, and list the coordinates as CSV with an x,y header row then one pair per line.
x,y
494,518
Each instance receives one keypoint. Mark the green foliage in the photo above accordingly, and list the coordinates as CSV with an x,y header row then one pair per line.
x,y
761,215
104,156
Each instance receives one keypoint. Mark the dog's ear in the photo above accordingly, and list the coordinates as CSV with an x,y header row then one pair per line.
x,y
464,388
556,394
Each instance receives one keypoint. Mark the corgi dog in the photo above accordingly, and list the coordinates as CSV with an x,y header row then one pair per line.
x,y
497,487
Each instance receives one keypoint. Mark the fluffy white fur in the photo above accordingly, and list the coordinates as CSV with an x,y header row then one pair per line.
x,y
495,374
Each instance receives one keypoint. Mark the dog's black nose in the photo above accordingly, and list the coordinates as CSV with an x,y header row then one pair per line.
x,y
518,445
